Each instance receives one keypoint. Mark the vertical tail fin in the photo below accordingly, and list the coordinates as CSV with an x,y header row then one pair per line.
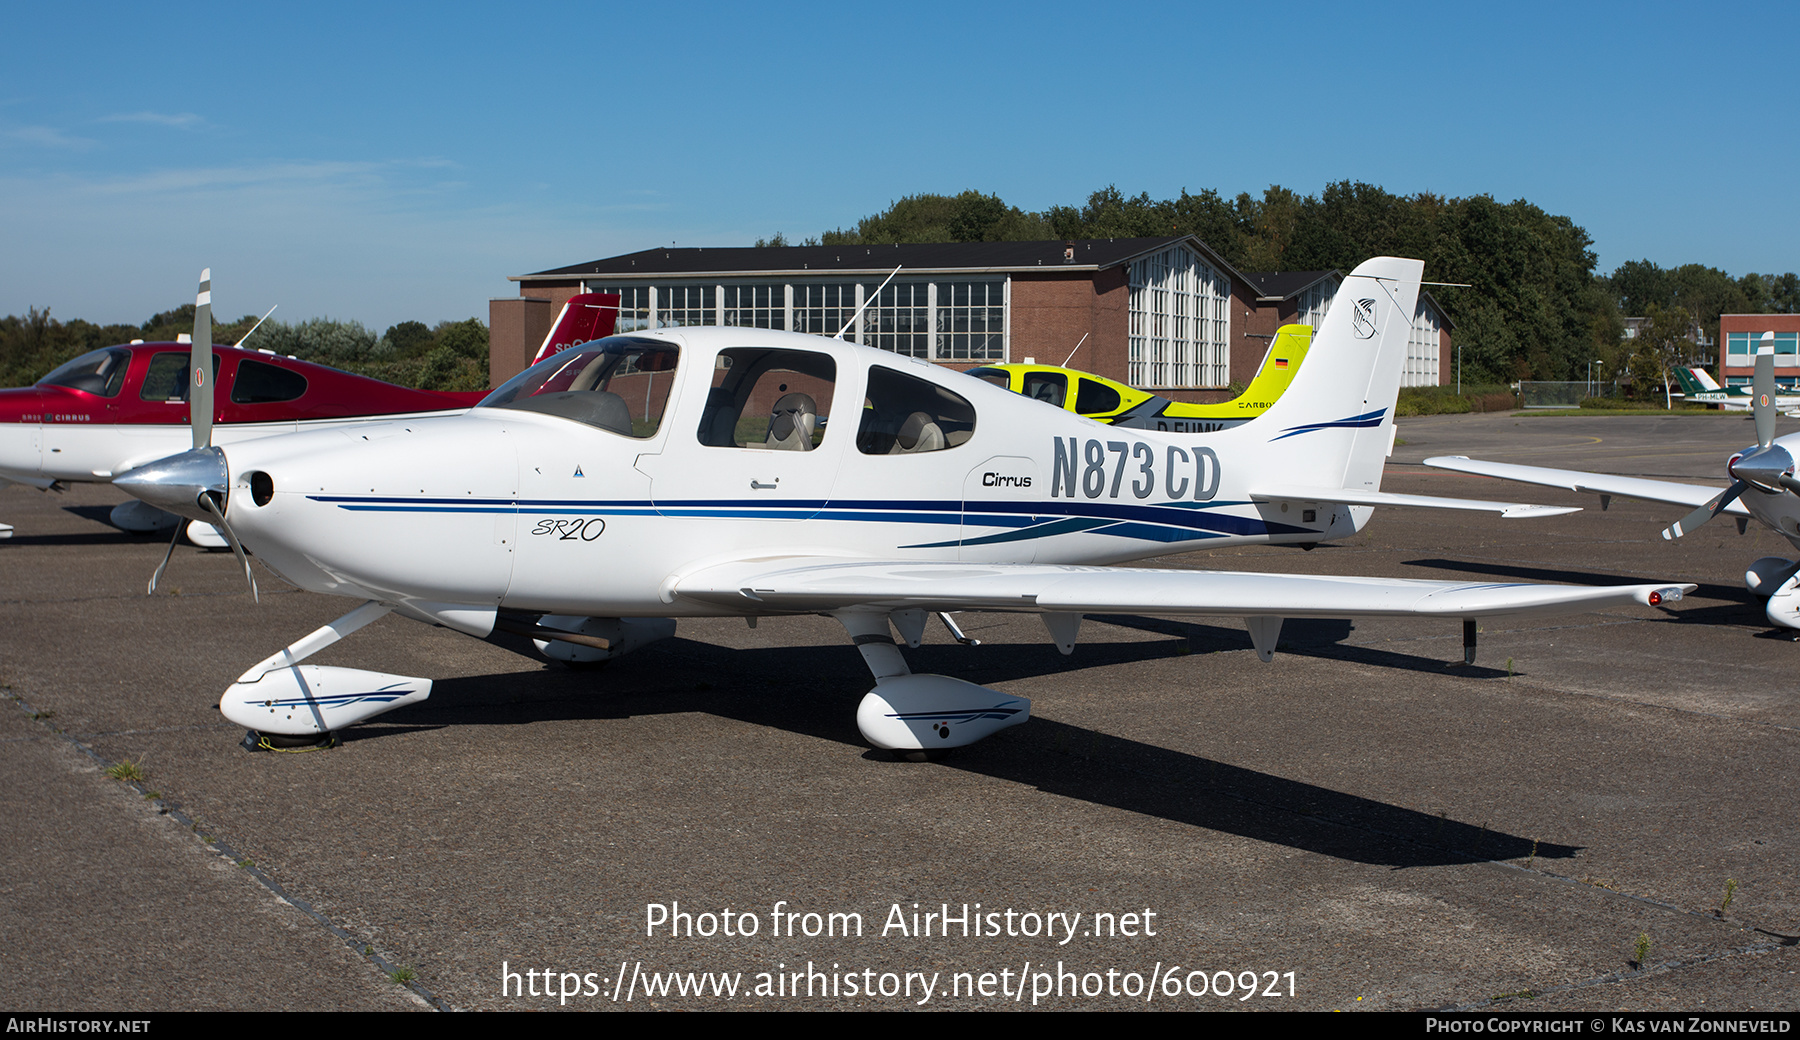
x,y
584,317
1338,414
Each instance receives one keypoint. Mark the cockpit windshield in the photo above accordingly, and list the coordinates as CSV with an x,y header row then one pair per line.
x,y
100,372
620,384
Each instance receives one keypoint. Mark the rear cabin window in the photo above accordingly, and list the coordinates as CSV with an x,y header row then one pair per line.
x,y
904,415
1093,397
262,383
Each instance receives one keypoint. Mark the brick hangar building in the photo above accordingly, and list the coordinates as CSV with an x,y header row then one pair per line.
x,y
1163,314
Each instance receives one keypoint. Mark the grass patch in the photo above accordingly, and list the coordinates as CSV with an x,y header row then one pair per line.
x,y
127,770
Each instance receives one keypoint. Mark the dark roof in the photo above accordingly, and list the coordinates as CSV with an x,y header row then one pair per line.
x,y
1282,285
1090,254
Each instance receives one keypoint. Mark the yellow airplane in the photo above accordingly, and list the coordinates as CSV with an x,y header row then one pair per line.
x,y
1114,403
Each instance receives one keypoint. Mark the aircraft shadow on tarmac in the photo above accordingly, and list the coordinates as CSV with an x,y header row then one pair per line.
x,y
757,686
1739,608
104,534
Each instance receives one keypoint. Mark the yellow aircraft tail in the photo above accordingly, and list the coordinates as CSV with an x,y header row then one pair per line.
x,y
1286,351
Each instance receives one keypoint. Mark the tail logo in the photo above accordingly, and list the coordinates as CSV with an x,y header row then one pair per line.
x,y
1363,320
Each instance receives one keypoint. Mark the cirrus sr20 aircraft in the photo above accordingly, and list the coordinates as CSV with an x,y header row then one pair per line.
x,y
729,472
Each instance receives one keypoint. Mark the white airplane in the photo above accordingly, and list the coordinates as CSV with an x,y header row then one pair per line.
x,y
1762,486
733,472
1698,385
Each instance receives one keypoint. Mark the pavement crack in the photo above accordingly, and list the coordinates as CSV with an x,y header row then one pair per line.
x,y
211,842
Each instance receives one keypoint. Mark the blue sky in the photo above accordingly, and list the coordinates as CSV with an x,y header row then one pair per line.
x,y
384,163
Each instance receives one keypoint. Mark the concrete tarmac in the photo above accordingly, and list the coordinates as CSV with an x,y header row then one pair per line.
x,y
1355,825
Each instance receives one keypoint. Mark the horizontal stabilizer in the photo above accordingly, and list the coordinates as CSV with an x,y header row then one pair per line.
x,y
1352,497
1690,495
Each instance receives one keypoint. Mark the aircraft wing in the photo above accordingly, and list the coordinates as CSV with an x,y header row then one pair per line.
x,y
1350,497
1692,496
826,584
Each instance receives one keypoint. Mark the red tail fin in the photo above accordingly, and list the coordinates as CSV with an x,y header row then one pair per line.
x,y
584,317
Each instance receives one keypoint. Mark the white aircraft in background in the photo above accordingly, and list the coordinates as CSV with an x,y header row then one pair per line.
x,y
1762,486
732,472
1698,385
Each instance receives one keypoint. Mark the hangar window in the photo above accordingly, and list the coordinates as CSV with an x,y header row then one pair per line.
x,y
904,415
758,306
900,320
934,320
1180,322
823,309
686,305
971,321
1312,304
1423,345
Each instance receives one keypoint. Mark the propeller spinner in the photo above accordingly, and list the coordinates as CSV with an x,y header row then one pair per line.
x,y
1768,467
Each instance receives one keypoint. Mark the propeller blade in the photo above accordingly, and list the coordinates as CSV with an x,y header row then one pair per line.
x,y
154,578
231,536
1689,523
1763,390
200,387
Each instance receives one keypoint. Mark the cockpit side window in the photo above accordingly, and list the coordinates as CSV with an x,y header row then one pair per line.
x,y
620,384
996,376
904,415
777,400
98,372
1048,387
167,379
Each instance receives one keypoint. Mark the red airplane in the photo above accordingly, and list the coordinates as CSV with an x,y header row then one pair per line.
x,y
116,408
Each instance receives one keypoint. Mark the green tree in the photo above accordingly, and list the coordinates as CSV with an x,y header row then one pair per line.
x,y
468,339
405,340
968,217
1663,344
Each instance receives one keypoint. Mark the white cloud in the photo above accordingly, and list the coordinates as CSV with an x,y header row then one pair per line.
x,y
50,137
179,120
